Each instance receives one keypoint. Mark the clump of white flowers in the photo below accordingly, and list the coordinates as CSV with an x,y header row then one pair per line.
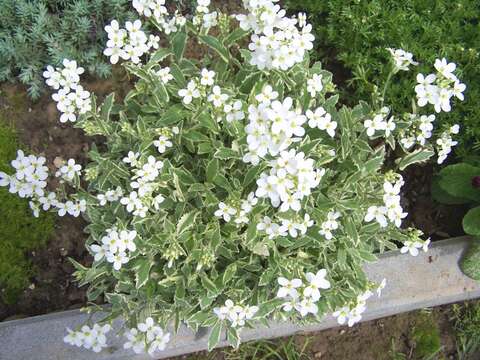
x,y
71,98
445,143
380,123
439,88
291,178
402,59
142,198
391,210
130,43
352,313
203,16
115,247
30,181
236,314
93,338
148,337
277,42
330,225
300,296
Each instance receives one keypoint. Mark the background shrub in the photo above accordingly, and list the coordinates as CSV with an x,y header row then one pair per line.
x,y
19,230
357,32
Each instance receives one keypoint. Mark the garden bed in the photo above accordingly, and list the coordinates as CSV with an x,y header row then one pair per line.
x,y
413,282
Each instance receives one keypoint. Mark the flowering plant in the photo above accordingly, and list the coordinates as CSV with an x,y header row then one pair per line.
x,y
233,189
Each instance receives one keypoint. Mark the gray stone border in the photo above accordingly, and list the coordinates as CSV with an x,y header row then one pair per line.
x,y
430,279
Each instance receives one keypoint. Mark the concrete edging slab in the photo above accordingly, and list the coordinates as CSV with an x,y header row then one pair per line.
x,y
430,279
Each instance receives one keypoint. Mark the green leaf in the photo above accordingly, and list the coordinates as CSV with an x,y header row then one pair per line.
x,y
234,36
212,170
456,180
186,222
226,154
470,263
107,106
178,44
215,336
442,196
216,45
417,156
158,56
142,271
471,222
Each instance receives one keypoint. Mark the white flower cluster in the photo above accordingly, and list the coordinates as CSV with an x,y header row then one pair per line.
x,y
315,85
157,9
71,98
130,43
419,130
402,59
148,336
230,110
277,43
380,123
273,126
291,178
164,74
438,89
391,210
445,143
141,199
235,313
322,120
69,170
329,225
227,212
114,247
287,227
353,314
110,196
303,297
90,338
413,246
203,16
29,181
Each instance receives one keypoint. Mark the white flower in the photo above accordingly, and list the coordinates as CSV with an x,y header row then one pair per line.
x,y
411,247
117,259
71,169
315,85
100,251
288,287
378,213
267,95
322,120
307,306
131,158
316,282
445,68
136,341
216,97
224,211
162,144
190,93
208,77
402,59
234,111
164,75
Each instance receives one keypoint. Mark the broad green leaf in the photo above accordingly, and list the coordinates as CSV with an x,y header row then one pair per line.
x,y
178,44
417,156
212,170
234,36
226,154
186,222
456,180
157,57
471,222
142,271
216,45
215,336
470,263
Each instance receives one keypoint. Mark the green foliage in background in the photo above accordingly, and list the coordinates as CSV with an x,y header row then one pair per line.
x,y
19,231
426,336
466,320
460,184
361,30
34,34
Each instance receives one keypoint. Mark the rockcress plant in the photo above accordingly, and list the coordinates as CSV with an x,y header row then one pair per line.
x,y
233,189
